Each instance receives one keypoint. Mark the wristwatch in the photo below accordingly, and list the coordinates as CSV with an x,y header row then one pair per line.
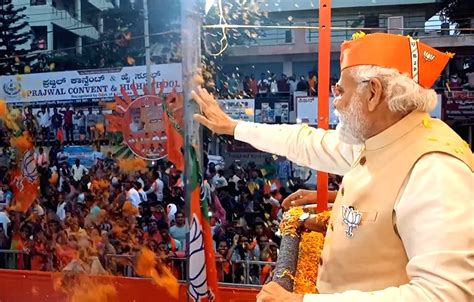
x,y
303,218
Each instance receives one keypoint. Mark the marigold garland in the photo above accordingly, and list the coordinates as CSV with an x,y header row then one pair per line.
x,y
310,248
290,222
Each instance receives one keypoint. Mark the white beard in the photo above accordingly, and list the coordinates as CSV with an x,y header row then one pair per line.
x,y
352,126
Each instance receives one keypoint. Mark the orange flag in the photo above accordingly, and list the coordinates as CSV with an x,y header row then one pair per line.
x,y
172,117
25,182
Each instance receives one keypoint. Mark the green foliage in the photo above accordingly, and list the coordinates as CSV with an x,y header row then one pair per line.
x,y
121,43
15,39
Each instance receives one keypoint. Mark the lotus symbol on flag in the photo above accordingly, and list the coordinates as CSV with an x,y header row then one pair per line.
x,y
197,272
28,170
351,218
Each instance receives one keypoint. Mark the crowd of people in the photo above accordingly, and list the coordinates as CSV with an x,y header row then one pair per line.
x,y
68,124
96,218
235,85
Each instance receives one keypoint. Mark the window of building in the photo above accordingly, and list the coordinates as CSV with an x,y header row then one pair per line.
x,y
37,2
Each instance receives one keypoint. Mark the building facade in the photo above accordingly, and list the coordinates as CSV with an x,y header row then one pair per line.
x,y
65,24
294,51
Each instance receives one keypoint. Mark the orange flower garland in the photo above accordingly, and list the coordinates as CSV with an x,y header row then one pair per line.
x,y
290,222
310,248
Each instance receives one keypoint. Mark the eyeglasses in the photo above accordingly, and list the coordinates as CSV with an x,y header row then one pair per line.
x,y
337,90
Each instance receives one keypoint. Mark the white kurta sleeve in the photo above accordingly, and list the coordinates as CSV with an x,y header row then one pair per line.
x,y
315,148
435,220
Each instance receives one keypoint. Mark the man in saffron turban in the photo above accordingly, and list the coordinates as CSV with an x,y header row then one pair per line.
x,y
402,223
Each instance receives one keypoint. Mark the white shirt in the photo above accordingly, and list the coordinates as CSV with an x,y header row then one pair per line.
x,y
78,172
4,220
61,211
235,179
293,85
157,188
434,215
143,196
134,197
219,181
44,119
273,87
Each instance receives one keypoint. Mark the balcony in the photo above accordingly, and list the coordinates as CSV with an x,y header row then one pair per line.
x,y
292,42
44,15
302,5
101,4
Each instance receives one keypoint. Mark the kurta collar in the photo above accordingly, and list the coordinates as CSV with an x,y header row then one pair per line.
x,y
396,131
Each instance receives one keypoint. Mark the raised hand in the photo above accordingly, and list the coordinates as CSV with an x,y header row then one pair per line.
x,y
212,116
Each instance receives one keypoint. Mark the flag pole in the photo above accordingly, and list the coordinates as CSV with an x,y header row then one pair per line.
x,y
191,62
324,53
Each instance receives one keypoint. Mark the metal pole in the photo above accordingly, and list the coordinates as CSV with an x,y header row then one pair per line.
x,y
191,62
324,57
147,45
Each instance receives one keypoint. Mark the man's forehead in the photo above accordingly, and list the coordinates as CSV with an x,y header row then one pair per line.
x,y
346,77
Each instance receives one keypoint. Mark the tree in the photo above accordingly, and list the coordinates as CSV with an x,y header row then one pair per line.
x,y
121,43
15,40
459,11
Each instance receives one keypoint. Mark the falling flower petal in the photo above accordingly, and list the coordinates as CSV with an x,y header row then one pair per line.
x,y
426,122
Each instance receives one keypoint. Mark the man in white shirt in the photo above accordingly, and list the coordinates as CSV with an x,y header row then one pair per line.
x,y
157,187
44,122
133,195
78,171
4,221
219,181
139,186
383,104
41,157
292,82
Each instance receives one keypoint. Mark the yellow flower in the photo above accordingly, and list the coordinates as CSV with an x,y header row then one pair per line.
x,y
27,69
358,35
466,144
426,122
459,151
290,223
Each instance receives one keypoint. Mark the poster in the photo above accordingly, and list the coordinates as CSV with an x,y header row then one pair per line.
x,y
459,107
239,109
272,110
85,154
143,127
307,110
99,84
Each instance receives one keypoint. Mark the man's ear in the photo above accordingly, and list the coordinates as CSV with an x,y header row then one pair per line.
x,y
376,93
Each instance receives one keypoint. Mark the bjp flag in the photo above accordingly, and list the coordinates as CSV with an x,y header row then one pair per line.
x,y
25,182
